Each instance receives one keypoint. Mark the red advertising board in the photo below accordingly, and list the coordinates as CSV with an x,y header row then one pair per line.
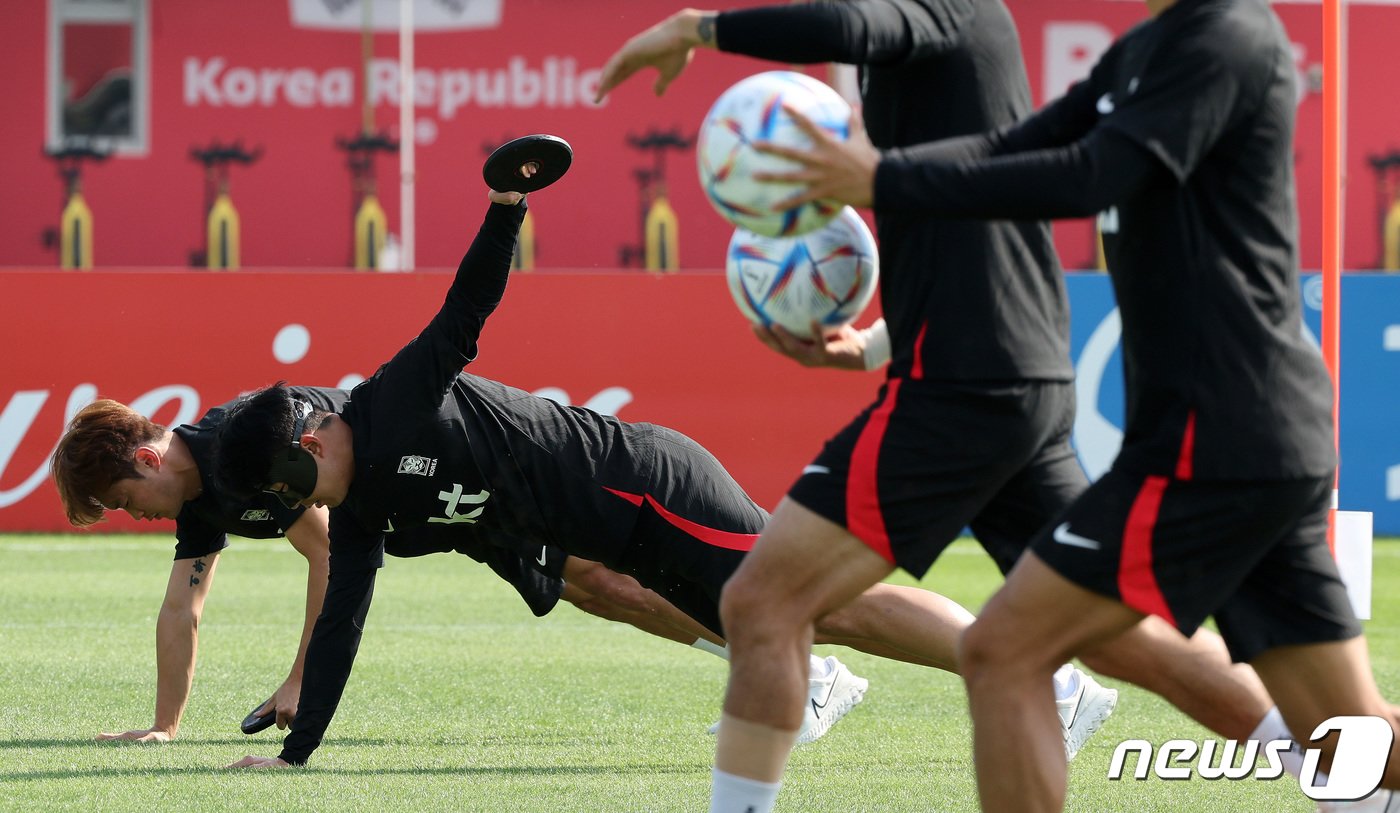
x,y
285,75
671,350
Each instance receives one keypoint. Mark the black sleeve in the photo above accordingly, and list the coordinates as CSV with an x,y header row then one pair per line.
x,y
1060,123
330,400
195,538
480,281
1079,180
330,654
851,31
423,370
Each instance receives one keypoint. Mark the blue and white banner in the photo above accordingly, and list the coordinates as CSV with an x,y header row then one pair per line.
x,y
1370,429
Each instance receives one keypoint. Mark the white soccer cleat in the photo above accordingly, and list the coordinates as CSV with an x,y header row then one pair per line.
x,y
1382,801
1084,712
828,700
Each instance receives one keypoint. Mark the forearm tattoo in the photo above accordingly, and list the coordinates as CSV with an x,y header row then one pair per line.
x,y
706,29
199,568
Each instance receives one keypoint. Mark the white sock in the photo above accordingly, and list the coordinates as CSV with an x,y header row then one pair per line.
x,y
1271,728
735,794
1066,682
714,649
817,668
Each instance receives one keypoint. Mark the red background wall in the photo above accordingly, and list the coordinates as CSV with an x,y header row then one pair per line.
x,y
676,344
296,202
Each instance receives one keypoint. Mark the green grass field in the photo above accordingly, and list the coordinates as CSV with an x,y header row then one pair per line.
x,y
461,700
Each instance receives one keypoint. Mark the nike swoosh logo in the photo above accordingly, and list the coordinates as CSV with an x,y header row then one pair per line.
x,y
817,707
540,558
1105,104
389,526
816,470
1064,536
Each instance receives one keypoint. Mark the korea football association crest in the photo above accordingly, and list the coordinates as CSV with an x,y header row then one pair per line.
x,y
414,464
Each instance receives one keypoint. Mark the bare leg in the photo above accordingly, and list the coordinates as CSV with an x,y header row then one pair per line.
x,y
1033,624
900,623
802,567
888,621
615,596
1195,674
1315,682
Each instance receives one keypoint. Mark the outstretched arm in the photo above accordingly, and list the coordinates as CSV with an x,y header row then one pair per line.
x,y
330,655
422,371
177,640
1077,180
356,556
1019,174
667,46
851,31
311,538
481,276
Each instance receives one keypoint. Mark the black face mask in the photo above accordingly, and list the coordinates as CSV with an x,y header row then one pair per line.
x,y
297,470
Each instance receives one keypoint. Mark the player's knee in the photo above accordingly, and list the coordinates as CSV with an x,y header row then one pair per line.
x,y
747,609
982,656
736,603
843,623
1120,663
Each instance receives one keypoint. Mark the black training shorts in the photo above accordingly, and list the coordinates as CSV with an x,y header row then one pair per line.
x,y
692,524
1252,553
930,458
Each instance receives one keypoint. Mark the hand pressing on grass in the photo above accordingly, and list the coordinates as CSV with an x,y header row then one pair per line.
x,y
260,762
141,735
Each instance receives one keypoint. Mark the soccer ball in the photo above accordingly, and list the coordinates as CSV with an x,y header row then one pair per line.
x,y
827,275
752,110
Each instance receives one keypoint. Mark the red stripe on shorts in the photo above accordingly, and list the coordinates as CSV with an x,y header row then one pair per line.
x,y
1188,448
863,516
1137,583
710,536
916,369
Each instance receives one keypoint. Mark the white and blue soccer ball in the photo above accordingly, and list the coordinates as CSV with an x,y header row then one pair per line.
x,y
752,111
827,275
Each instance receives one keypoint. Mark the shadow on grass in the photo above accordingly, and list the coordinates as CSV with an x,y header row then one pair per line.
x,y
191,742
80,742
274,740
465,770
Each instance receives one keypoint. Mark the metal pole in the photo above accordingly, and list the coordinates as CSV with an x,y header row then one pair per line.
x,y
366,57
406,135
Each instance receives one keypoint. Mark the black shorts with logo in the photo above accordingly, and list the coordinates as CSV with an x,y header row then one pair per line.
x,y
692,524
930,458
1252,553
